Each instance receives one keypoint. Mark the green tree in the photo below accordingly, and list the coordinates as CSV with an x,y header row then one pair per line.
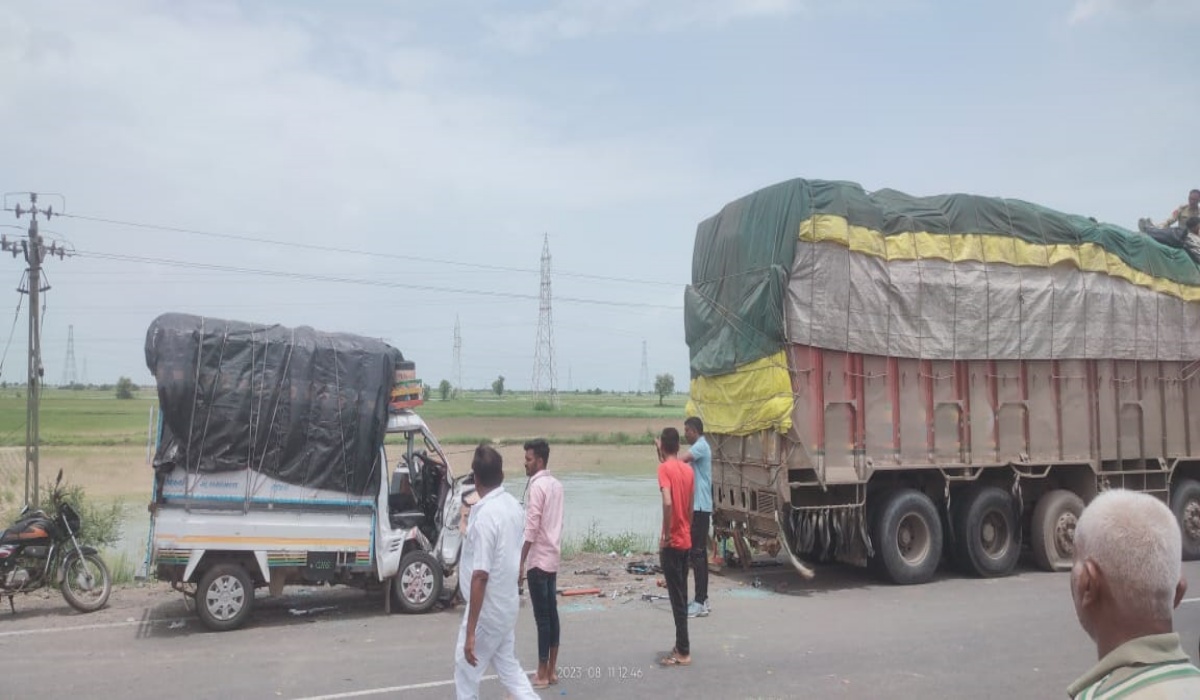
x,y
125,388
426,390
498,386
664,384
444,389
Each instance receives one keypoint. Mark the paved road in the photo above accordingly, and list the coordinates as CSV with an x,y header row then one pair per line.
x,y
843,636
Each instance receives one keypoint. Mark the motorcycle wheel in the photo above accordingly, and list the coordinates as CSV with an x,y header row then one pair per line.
x,y
86,583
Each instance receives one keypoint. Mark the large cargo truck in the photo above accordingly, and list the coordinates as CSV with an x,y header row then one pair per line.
x,y
898,381
271,468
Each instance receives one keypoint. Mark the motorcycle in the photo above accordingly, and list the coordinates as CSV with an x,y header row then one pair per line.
x,y
42,550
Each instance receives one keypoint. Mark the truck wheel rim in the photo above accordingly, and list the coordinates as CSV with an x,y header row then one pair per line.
x,y
993,535
417,582
913,539
1064,535
1191,519
225,598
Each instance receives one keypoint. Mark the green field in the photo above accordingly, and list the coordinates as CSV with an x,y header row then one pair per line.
x,y
78,418
478,404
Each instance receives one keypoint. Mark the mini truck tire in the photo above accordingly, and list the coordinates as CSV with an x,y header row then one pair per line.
x,y
224,597
418,582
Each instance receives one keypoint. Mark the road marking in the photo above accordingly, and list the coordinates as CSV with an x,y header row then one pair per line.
x,y
1190,600
77,628
393,689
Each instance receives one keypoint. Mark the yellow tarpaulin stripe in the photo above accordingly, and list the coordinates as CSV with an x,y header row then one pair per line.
x,y
984,248
754,397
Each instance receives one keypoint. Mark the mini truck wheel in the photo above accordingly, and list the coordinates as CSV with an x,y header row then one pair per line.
x,y
418,583
907,537
224,597
1185,504
1053,526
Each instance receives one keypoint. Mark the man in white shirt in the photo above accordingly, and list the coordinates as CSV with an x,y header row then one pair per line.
x,y
488,572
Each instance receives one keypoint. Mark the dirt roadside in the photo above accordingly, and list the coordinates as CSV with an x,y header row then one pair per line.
x,y
607,578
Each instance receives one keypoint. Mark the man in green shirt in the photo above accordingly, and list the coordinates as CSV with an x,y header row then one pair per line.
x,y
1126,582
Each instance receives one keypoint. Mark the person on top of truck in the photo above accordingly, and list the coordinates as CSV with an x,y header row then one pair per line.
x,y
1185,211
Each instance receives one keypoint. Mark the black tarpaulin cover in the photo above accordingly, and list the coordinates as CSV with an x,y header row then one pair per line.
x,y
302,406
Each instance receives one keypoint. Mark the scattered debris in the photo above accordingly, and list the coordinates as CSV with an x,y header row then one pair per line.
x,y
654,596
312,611
578,591
178,624
642,568
597,571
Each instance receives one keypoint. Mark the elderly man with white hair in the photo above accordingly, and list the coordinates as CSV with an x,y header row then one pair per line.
x,y
1126,582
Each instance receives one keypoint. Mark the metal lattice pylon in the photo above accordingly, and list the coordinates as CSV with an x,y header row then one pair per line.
x,y
644,378
544,379
458,387
69,377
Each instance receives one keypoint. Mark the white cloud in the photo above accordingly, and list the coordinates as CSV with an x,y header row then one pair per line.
x,y
300,127
575,19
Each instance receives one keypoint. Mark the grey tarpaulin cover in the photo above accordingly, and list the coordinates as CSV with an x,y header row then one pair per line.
x,y
302,406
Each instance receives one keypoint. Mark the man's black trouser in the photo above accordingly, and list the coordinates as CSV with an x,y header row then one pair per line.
x,y
543,593
700,521
675,570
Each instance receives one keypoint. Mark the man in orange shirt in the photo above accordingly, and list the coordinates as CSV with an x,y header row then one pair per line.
x,y
675,483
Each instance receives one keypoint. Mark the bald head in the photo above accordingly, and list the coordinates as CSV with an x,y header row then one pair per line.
x,y
1134,540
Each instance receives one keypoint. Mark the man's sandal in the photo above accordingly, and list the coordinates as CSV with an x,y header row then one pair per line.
x,y
673,660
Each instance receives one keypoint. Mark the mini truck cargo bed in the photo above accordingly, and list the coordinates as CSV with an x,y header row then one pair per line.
x,y
271,468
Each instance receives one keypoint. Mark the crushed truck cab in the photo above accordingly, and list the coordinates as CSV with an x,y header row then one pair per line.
x,y
313,497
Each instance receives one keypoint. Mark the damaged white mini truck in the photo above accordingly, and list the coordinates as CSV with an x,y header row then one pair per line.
x,y
270,469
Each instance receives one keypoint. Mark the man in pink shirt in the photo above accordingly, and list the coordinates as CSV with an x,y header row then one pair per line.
x,y
543,543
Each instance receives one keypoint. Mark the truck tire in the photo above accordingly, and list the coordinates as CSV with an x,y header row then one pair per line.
x,y
418,583
907,537
224,597
1185,504
985,532
1053,529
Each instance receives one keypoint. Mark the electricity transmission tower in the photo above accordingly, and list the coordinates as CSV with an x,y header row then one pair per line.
x,y
69,378
457,357
32,283
644,379
544,380
83,377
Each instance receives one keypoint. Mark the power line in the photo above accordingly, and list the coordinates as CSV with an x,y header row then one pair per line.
x,y
353,251
358,281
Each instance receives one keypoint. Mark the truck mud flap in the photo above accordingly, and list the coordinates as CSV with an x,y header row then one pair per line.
x,y
788,546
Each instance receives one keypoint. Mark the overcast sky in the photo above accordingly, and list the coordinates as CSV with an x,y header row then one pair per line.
x,y
425,133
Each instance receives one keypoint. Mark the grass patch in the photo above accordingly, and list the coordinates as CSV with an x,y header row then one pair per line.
x,y
618,438
594,541
121,567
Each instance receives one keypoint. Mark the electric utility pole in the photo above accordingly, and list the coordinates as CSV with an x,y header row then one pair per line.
x,y
32,283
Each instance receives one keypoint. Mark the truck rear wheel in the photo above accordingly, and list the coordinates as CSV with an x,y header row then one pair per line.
x,y
418,583
1053,528
985,532
224,597
1185,504
907,536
